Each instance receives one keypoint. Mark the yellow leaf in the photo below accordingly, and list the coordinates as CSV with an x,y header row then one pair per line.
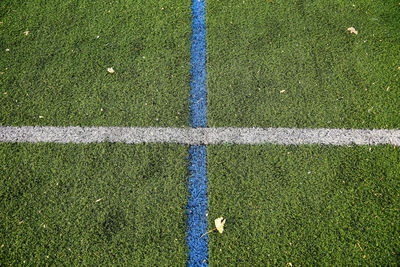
x,y
352,30
219,224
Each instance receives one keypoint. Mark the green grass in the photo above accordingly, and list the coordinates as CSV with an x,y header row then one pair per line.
x,y
304,205
97,204
272,63
59,70
282,63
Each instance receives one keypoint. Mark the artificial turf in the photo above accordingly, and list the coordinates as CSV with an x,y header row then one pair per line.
x,y
304,205
280,63
55,55
95,204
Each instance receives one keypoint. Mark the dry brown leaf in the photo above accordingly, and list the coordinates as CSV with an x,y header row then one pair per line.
x,y
219,224
110,70
352,30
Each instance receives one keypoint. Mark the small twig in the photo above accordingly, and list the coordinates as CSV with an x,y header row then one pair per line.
x,y
208,232
360,246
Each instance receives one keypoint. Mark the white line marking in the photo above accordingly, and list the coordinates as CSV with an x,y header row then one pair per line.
x,y
199,136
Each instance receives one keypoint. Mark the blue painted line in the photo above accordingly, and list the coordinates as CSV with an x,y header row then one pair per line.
x,y
197,187
197,207
198,92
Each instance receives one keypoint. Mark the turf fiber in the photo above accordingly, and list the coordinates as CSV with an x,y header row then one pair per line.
x,y
97,204
279,63
304,205
55,55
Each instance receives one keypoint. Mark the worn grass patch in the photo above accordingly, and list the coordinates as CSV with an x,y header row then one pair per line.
x,y
97,204
294,64
304,205
54,57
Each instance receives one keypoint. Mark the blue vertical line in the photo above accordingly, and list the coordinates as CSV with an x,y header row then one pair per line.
x,y
197,186
197,207
198,92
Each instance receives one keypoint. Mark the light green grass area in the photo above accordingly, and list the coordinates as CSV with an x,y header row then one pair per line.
x,y
98,204
304,205
54,57
280,63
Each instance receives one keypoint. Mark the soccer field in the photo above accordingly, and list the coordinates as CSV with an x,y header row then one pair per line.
x,y
94,204
294,64
308,205
55,57
150,119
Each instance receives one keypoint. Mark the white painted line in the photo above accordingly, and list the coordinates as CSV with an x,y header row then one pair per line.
x,y
198,136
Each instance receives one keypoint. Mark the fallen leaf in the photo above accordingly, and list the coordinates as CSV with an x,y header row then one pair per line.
x,y
26,33
219,224
282,91
100,199
41,117
110,70
352,30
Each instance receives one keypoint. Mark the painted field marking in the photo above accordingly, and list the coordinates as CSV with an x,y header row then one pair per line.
x,y
197,207
199,136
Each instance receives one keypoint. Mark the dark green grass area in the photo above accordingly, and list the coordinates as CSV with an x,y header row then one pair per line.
x,y
57,74
98,204
304,205
282,63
